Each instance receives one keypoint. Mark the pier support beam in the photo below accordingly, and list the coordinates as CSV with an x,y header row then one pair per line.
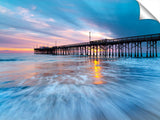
x,y
93,50
135,49
109,51
156,48
122,50
112,51
119,51
125,49
128,51
147,50
96,50
150,48
138,49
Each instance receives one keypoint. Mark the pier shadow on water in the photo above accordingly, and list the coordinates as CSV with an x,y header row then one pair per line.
x,y
72,88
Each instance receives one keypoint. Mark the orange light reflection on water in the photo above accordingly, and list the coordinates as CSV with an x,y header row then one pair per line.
x,y
97,71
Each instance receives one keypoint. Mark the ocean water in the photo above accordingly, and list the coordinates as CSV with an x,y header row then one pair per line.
x,y
46,87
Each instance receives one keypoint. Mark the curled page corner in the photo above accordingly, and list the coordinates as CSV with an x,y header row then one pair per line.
x,y
149,9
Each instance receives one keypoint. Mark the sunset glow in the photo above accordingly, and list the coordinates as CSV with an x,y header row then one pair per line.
x,y
16,50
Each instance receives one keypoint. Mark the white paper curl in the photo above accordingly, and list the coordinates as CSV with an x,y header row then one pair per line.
x,y
149,9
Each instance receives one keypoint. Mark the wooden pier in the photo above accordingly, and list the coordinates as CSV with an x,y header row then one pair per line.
x,y
135,46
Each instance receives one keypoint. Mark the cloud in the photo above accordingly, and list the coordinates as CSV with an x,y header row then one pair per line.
x,y
4,10
34,7
70,21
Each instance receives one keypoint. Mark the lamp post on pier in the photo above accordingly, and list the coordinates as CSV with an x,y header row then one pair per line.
x,y
89,36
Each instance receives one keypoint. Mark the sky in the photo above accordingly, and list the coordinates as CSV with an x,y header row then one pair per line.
x,y
26,24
